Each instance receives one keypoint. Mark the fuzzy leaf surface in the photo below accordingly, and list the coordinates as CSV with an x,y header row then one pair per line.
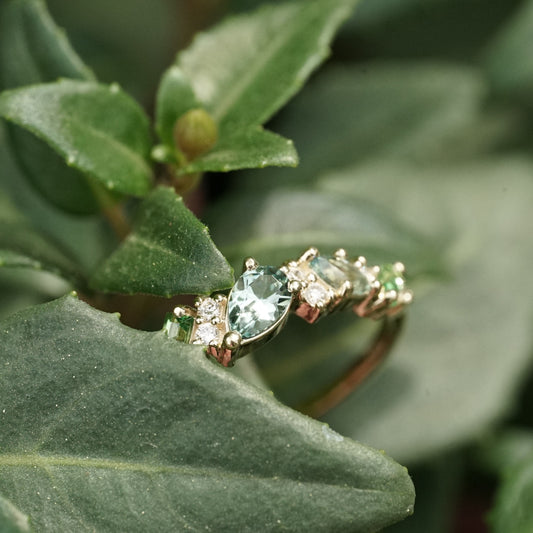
x,y
245,69
107,428
168,252
34,50
96,129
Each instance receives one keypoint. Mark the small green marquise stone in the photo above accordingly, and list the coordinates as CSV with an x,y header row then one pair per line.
x,y
328,272
178,328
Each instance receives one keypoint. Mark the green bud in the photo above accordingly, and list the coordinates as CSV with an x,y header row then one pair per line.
x,y
195,133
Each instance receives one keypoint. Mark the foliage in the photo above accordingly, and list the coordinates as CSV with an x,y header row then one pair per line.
x,y
414,144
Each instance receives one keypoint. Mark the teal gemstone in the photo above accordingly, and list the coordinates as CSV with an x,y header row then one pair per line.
x,y
259,300
179,328
358,278
328,272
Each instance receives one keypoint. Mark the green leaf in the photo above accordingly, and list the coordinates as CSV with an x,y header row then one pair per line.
x,y
106,428
279,226
97,129
514,501
248,148
86,239
505,449
22,246
507,60
174,98
243,71
457,329
416,111
33,50
169,252
11,519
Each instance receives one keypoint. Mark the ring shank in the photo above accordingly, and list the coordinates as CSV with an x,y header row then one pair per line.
x,y
359,371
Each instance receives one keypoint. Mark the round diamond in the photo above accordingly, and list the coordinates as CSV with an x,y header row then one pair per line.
x,y
206,334
259,300
316,295
209,309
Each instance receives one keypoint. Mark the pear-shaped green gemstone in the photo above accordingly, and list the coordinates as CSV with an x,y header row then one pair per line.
x,y
258,301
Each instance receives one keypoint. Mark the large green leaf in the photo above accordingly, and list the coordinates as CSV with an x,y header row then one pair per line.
x,y
22,246
97,129
418,111
11,519
507,59
279,226
244,70
33,50
474,327
514,503
86,239
168,252
110,429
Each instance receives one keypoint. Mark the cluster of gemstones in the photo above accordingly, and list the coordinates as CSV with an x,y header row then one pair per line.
x,y
261,299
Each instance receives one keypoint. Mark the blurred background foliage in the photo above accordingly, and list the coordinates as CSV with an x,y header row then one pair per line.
x,y
415,143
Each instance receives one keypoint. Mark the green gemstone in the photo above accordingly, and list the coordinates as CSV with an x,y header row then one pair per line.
x,y
179,328
358,278
328,272
391,279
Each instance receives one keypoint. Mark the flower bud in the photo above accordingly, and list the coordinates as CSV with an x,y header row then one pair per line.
x,y
195,133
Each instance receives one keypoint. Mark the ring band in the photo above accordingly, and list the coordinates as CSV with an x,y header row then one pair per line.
x,y
257,307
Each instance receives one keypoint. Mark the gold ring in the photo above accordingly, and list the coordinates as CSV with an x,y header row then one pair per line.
x,y
258,306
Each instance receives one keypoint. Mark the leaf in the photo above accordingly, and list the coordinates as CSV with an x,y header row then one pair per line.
x,y
97,129
414,111
457,329
243,71
169,252
33,50
107,428
11,519
280,225
86,239
506,58
505,449
512,511
22,246
249,148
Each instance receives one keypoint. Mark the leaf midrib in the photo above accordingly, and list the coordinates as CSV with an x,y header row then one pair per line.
x,y
66,461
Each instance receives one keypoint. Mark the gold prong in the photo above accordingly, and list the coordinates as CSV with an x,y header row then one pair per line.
x,y
406,297
340,253
250,264
220,297
232,340
376,285
179,311
311,278
293,264
346,288
360,262
309,254
294,286
399,267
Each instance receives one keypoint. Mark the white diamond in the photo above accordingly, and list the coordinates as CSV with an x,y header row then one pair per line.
x,y
316,295
206,334
208,309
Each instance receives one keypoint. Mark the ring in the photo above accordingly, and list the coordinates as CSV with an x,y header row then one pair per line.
x,y
258,306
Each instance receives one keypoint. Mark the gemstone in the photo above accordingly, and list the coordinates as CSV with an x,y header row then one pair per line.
x,y
208,309
391,279
359,278
328,272
259,300
315,295
206,333
178,328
